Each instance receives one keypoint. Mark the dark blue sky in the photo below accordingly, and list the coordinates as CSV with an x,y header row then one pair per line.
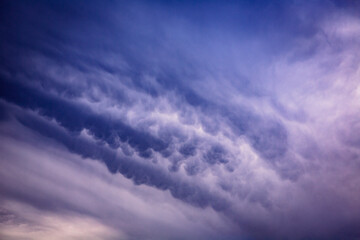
x,y
179,120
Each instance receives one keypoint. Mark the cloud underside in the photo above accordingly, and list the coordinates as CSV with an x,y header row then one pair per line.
x,y
179,121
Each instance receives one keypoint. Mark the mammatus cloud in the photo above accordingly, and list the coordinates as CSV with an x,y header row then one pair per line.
x,y
180,120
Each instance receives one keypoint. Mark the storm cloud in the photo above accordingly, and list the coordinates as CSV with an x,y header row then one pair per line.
x,y
180,120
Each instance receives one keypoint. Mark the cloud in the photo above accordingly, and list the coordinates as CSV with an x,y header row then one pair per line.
x,y
64,187
27,222
226,118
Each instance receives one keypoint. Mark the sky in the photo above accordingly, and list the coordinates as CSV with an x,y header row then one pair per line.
x,y
156,120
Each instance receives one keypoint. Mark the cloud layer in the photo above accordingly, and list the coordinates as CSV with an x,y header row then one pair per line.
x,y
171,120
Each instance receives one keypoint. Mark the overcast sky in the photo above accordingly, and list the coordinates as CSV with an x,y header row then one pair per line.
x,y
222,120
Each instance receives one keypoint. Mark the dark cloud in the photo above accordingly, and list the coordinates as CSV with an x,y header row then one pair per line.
x,y
220,105
216,154
188,149
76,118
138,172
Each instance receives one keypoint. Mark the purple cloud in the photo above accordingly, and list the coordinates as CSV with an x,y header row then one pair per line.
x,y
171,120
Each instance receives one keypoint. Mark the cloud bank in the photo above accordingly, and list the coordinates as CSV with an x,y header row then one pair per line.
x,y
180,120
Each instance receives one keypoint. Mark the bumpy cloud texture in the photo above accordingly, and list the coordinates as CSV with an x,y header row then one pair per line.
x,y
180,120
